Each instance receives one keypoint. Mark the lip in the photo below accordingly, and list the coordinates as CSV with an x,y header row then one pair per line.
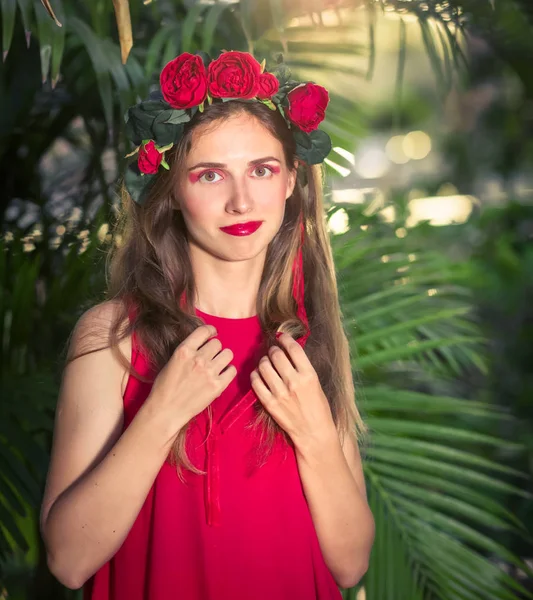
x,y
242,228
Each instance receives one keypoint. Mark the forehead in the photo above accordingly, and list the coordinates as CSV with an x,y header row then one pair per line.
x,y
239,136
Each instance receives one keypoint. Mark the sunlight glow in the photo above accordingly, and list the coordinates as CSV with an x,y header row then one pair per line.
x,y
440,210
372,164
102,232
416,145
395,151
401,232
345,154
339,222
343,171
388,214
348,196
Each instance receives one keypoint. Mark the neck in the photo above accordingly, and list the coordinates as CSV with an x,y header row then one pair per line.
x,y
226,288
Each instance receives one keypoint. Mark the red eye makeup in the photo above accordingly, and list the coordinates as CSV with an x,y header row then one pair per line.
x,y
272,168
194,177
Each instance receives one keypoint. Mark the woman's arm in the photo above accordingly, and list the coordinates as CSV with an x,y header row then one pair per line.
x,y
332,476
98,479
333,482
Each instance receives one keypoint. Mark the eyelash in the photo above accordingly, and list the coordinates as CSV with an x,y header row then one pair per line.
x,y
273,171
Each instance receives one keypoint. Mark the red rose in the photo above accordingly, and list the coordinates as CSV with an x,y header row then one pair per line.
x,y
149,158
268,86
184,81
307,106
234,75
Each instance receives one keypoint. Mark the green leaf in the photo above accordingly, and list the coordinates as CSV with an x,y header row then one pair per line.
x,y
212,19
414,349
117,70
464,491
178,116
165,133
246,16
189,25
449,470
371,14
154,120
282,73
137,184
45,27
171,48
428,449
278,14
153,63
100,62
9,8
25,11
206,59
7,521
312,147
382,398
412,324
437,431
58,42
400,70
13,469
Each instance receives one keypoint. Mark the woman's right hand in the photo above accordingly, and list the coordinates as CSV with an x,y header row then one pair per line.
x,y
194,376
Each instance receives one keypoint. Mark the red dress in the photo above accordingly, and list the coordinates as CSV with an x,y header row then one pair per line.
x,y
237,533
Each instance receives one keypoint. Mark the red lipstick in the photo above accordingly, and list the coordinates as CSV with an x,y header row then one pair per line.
x,y
242,228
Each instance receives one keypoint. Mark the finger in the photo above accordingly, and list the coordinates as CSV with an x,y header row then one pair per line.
x,y
210,349
296,353
199,336
281,363
270,376
259,387
222,360
227,375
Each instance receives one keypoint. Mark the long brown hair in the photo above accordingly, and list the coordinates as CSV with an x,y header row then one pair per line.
x,y
150,269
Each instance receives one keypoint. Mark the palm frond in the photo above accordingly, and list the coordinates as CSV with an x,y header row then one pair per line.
x,y
437,484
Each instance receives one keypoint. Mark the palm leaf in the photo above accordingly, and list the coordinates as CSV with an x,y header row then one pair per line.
x,y
433,464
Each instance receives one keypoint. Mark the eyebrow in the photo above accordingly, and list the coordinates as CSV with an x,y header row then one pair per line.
x,y
216,165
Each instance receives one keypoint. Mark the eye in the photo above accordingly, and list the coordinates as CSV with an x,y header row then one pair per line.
x,y
263,172
209,177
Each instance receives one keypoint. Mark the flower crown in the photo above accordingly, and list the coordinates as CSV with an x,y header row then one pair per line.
x,y
190,80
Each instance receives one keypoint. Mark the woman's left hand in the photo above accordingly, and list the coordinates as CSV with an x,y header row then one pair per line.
x,y
287,385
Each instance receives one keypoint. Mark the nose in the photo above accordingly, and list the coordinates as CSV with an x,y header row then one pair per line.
x,y
240,200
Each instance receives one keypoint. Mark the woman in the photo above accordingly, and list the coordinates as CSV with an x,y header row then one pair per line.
x,y
225,462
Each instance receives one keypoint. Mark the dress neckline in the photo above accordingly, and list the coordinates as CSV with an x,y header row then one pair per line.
x,y
228,320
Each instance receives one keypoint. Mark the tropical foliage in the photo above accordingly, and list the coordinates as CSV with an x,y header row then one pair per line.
x,y
437,460
437,484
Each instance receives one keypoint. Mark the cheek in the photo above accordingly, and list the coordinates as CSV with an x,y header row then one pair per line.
x,y
270,195
195,215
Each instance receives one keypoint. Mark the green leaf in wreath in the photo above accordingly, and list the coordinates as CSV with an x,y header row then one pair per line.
x,y
206,59
240,99
312,147
302,139
165,133
282,73
137,183
178,116
269,103
140,118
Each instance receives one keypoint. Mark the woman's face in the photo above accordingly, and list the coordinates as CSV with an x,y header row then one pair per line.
x,y
235,173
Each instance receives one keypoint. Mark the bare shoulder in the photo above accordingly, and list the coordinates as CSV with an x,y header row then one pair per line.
x,y
89,413
91,335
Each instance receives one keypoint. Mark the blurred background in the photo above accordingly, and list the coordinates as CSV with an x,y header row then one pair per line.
x,y
429,195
